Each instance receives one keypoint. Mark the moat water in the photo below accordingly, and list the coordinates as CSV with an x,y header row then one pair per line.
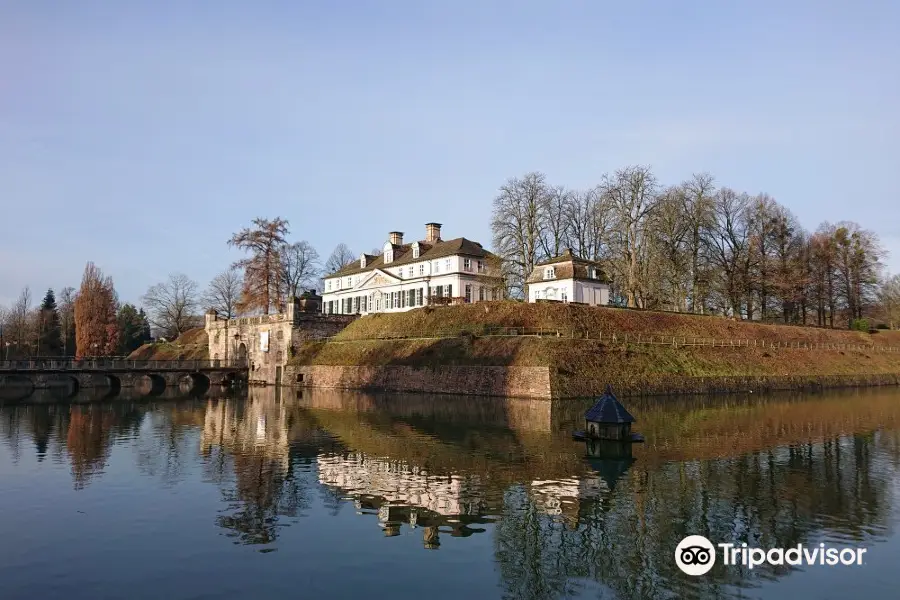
x,y
341,495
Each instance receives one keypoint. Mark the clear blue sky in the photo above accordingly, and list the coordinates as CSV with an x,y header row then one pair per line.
x,y
140,134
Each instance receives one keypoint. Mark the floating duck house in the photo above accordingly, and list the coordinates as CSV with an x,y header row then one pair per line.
x,y
608,419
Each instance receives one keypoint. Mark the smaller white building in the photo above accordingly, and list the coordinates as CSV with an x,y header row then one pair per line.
x,y
568,278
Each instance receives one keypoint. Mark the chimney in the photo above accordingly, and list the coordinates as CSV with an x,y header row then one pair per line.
x,y
396,238
432,232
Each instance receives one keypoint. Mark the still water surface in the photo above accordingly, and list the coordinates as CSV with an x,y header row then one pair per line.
x,y
337,495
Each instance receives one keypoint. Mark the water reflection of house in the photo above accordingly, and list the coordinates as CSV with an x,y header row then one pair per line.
x,y
398,493
565,497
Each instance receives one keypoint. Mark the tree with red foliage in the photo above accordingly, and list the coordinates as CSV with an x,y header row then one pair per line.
x,y
96,327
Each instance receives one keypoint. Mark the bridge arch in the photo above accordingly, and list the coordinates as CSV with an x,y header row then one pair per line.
x,y
151,384
114,385
15,387
194,383
64,386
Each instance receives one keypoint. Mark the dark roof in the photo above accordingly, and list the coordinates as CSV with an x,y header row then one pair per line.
x,y
608,410
567,266
403,255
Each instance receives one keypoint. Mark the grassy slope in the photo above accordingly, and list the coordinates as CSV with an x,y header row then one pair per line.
x,y
192,344
582,365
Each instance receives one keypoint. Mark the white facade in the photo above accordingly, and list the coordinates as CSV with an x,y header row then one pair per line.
x,y
403,277
568,278
570,290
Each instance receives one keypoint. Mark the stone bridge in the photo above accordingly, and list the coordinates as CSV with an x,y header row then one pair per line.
x,y
66,377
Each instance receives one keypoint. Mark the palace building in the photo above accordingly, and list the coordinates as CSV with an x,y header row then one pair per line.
x,y
408,275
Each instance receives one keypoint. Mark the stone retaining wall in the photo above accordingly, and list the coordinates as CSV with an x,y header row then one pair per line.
x,y
517,382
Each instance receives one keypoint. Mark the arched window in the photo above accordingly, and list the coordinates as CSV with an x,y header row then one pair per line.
x,y
388,252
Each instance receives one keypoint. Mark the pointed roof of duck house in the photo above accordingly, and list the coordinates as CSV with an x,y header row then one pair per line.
x,y
608,410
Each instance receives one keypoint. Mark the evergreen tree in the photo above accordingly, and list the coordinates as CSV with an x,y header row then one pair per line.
x,y
131,329
145,327
49,332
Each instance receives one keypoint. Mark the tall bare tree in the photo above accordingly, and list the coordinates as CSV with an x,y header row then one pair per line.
x,y
554,232
341,256
633,193
516,227
698,212
224,293
172,304
300,268
889,299
96,326
729,243
262,269
67,320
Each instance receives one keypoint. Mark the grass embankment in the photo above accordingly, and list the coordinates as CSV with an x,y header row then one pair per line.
x,y
584,357
193,344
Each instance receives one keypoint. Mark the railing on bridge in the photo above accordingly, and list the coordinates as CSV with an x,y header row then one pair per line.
x,y
123,364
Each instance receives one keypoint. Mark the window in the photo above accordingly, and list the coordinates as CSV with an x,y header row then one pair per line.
x,y
467,264
564,296
411,274
411,298
447,265
416,251
349,282
396,299
419,298
437,266
402,299
481,266
449,291
421,269
468,293
279,335
481,294
328,286
438,291
363,301
550,273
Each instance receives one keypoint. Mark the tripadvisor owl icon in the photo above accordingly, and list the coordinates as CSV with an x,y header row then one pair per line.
x,y
695,555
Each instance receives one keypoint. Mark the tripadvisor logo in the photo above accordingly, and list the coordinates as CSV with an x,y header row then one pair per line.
x,y
695,555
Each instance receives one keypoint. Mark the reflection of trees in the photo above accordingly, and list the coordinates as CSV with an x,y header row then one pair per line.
x,y
90,435
624,539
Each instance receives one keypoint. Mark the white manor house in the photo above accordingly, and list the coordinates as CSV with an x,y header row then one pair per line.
x,y
409,275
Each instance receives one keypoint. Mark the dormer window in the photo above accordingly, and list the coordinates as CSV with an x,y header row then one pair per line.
x,y
550,273
595,273
388,253
362,261
415,250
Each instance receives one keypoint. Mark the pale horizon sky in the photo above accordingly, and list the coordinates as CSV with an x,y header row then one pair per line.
x,y
140,135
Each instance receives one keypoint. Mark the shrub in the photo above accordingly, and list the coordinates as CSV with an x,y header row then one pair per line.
x,y
859,325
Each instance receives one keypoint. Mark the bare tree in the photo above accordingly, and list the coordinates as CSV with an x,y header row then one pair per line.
x,y
889,298
224,293
300,268
554,232
729,243
341,256
516,227
67,320
172,304
589,224
698,211
633,194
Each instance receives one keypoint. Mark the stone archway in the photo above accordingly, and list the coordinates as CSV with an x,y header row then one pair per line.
x,y
241,355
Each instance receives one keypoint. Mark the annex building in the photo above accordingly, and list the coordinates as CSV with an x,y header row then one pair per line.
x,y
409,275
568,278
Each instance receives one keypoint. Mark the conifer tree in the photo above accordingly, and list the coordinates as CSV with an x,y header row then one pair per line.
x,y
49,332
263,268
131,329
96,327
